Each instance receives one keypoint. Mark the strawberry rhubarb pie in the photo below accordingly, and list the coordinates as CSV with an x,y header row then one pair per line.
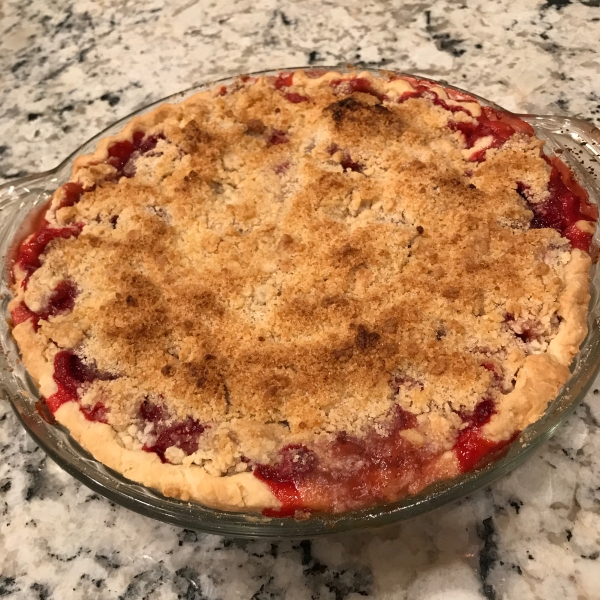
x,y
307,292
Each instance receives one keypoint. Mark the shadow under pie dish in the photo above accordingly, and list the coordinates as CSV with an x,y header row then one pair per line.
x,y
306,292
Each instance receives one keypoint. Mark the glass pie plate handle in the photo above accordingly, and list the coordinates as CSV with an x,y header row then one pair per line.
x,y
578,144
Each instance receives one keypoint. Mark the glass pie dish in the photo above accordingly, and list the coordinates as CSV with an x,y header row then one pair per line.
x,y
577,142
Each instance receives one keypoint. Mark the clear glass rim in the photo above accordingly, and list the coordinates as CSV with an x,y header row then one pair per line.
x,y
18,197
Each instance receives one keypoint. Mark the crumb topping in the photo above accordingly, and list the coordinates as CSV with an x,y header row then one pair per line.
x,y
289,262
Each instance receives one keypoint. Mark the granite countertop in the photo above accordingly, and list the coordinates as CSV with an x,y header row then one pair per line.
x,y
69,69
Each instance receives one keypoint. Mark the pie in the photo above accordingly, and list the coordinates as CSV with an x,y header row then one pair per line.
x,y
311,292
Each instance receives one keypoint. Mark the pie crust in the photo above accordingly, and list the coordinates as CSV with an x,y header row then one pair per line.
x,y
303,284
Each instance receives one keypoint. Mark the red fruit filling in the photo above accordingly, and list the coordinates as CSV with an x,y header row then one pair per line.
x,y
347,163
422,90
481,414
122,155
500,126
566,204
70,375
119,154
355,472
167,433
295,98
28,255
277,137
471,447
21,313
357,84
295,461
348,473
284,80
61,300
527,330
72,193
98,412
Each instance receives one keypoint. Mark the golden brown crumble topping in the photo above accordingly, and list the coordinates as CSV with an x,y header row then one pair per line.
x,y
284,271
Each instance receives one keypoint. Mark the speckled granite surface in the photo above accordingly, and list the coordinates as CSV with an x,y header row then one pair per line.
x,y
71,68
